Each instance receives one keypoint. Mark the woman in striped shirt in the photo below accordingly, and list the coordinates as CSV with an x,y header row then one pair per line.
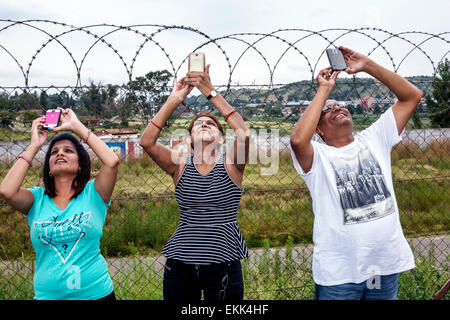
x,y
204,252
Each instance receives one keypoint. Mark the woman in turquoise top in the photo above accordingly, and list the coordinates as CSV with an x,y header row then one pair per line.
x,y
66,217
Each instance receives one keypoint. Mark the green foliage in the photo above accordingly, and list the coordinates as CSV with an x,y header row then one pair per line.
x,y
43,100
28,101
417,122
275,207
4,104
423,282
6,118
359,109
29,116
438,102
150,90
377,110
145,94
93,99
273,111
277,271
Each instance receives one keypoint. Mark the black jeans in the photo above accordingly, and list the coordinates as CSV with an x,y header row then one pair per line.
x,y
109,297
219,281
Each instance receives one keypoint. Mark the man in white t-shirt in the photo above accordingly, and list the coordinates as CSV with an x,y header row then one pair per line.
x,y
359,246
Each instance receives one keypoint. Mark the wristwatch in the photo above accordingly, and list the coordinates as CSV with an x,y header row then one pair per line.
x,y
212,94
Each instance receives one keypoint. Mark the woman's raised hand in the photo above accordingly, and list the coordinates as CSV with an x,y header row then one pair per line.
x,y
68,121
38,138
201,80
181,89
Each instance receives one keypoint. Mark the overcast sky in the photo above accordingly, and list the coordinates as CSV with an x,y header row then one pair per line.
x,y
216,19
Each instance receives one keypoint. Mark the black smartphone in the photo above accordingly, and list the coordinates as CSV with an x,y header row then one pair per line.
x,y
336,58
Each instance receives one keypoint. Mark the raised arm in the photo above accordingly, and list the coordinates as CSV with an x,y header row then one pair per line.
x,y
202,81
106,177
306,126
407,94
20,198
166,158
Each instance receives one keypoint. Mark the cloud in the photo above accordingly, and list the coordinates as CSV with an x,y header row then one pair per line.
x,y
216,19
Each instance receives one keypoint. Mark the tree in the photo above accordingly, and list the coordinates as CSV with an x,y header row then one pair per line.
x,y
121,107
351,108
439,102
4,104
62,99
43,100
377,109
359,109
6,118
28,117
417,123
93,99
110,105
28,101
273,111
150,90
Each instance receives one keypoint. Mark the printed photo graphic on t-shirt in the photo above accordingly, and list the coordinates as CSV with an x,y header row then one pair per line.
x,y
362,189
64,235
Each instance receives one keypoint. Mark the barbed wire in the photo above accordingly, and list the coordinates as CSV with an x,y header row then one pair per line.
x,y
101,38
269,206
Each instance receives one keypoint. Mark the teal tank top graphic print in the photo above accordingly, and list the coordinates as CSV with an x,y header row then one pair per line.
x,y
69,265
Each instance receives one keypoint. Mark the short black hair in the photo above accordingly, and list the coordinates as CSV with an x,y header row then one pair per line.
x,y
84,161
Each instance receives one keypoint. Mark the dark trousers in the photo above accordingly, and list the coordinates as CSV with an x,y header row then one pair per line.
x,y
219,281
109,297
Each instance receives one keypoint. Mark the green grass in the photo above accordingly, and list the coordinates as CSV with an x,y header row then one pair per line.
x,y
274,211
425,280
8,134
148,223
16,282
274,273
272,206
138,281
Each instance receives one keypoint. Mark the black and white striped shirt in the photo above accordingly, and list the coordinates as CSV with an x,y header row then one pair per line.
x,y
208,231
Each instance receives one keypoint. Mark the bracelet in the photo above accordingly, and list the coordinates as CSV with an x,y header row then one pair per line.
x,y
28,161
155,125
228,115
87,136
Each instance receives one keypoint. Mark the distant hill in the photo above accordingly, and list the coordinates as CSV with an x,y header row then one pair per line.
x,y
345,89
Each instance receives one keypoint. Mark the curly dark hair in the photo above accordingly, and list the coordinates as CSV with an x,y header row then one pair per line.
x,y
84,161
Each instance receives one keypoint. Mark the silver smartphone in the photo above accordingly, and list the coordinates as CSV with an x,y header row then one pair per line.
x,y
196,62
336,59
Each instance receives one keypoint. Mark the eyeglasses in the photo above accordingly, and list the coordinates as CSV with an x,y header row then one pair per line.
x,y
328,108
208,122
224,287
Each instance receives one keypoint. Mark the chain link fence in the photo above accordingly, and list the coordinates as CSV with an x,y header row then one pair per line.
x,y
270,79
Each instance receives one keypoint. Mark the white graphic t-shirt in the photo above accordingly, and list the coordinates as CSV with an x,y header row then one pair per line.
x,y
357,232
